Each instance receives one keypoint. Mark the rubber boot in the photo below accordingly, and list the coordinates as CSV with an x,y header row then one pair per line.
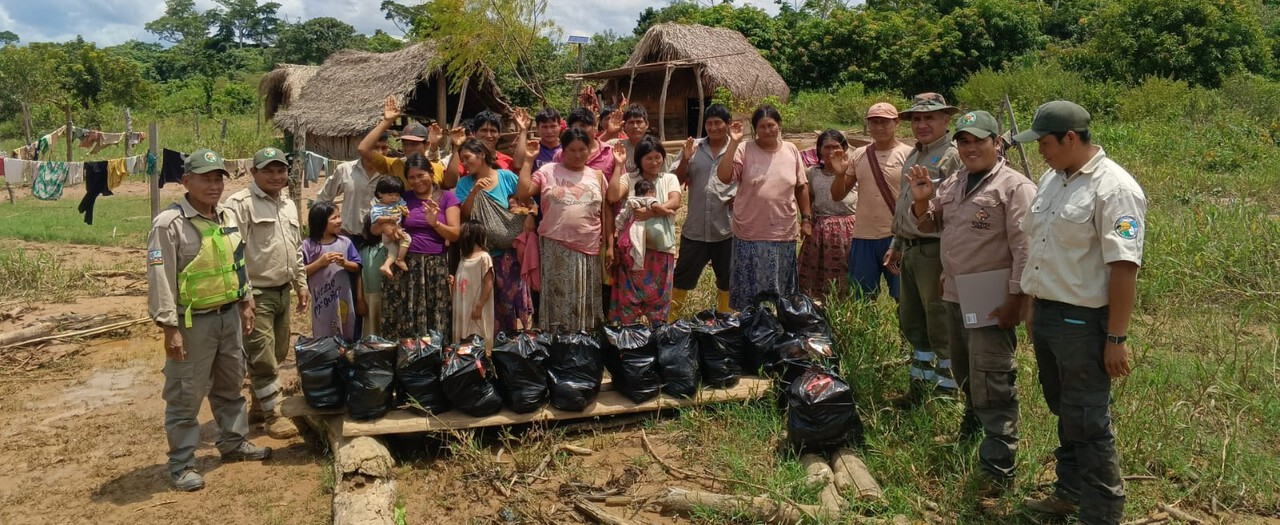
x,y
722,302
677,304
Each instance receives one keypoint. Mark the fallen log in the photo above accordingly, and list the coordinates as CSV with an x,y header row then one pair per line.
x,y
817,469
78,333
832,500
1154,519
757,509
851,473
364,492
1182,515
25,334
598,514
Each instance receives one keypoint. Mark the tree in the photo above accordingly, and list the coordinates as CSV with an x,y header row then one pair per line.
x,y
247,21
8,38
412,20
607,50
180,22
28,76
381,42
499,34
312,41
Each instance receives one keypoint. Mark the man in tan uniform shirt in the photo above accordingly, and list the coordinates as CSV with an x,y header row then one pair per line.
x,y
979,213
273,238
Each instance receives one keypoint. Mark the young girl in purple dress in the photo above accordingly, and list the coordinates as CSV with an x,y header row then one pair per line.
x,y
331,260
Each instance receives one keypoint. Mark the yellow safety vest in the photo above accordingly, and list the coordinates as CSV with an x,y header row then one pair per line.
x,y
216,276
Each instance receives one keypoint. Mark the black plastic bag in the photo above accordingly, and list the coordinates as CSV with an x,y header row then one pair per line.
x,y
320,371
418,371
760,328
519,360
799,314
821,413
720,344
632,360
467,378
576,369
794,354
369,384
677,358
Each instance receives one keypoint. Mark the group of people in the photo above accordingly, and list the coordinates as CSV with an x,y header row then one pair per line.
x,y
578,226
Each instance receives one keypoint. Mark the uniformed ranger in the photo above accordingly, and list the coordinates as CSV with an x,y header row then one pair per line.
x,y
199,295
269,222
916,254
1086,229
979,213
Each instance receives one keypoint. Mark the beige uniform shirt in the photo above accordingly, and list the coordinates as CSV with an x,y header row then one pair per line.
x,y
942,161
172,244
272,237
1078,224
981,230
357,187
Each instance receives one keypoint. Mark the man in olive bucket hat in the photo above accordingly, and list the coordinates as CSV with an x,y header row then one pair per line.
x,y
914,254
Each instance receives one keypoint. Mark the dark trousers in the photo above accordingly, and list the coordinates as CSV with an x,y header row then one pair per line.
x,y
1069,342
694,257
983,363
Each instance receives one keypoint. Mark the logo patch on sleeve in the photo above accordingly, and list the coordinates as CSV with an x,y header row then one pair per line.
x,y
1128,227
155,258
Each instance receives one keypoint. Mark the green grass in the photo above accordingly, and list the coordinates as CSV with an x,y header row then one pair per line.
x,y
117,221
39,275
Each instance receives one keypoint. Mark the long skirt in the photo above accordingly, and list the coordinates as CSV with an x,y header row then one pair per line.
x,y
570,288
645,294
761,266
417,301
513,309
824,256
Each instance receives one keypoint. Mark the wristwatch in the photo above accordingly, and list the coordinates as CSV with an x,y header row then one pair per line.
x,y
806,218
1117,339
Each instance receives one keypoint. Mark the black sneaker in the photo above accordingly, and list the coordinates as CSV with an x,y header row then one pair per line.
x,y
247,452
970,427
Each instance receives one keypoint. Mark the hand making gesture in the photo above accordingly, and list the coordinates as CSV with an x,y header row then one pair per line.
x,y
614,125
522,120
686,150
620,155
736,132
839,162
434,133
921,185
390,110
432,211
457,136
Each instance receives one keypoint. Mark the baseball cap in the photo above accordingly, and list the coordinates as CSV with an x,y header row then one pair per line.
x,y
204,160
882,110
978,123
929,102
266,156
1055,117
414,131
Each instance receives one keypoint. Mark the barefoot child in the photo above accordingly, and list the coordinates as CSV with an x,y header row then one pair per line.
x,y
385,218
631,232
330,261
473,286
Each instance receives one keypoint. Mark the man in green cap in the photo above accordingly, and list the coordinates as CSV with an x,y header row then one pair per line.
x,y
273,258
1086,229
198,294
979,213
915,254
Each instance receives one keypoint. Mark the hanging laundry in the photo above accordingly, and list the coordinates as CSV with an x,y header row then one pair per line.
x,y
314,165
108,139
95,185
117,172
151,164
75,173
42,146
13,169
50,177
91,139
137,137
172,169
135,164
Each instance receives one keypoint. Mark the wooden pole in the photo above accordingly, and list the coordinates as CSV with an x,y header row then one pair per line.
x,y
577,82
128,130
299,169
224,130
702,102
1013,128
197,125
258,133
442,100
153,180
662,105
26,123
462,100
68,134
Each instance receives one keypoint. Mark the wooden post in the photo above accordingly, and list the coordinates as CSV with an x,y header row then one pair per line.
x,y
153,145
702,101
224,130
299,169
442,100
259,112
197,125
577,82
68,134
662,104
128,130
26,123
462,100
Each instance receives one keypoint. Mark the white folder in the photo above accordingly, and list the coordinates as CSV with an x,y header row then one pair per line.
x,y
980,294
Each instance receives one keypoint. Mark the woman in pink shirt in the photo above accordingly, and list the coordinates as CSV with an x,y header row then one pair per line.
x,y
576,233
773,195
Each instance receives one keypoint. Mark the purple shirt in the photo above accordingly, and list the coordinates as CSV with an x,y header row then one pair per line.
x,y
545,155
425,239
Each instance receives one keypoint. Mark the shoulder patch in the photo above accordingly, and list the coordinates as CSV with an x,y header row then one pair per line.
x,y
1128,227
155,258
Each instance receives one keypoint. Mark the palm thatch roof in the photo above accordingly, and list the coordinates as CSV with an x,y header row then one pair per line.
x,y
283,85
725,59
346,95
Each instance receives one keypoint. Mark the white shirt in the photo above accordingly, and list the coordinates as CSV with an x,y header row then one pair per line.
x,y
350,179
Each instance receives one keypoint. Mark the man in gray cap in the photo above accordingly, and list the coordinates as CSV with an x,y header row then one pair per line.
x,y
915,255
273,238
1086,229
198,294
979,213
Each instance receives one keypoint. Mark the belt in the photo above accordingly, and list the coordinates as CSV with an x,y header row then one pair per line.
x,y
272,288
1046,303
216,309
912,243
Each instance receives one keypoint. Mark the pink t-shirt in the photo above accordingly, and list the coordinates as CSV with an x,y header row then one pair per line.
x,y
765,207
570,206
602,160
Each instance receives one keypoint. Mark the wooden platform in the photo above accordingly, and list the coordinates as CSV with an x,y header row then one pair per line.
x,y
609,403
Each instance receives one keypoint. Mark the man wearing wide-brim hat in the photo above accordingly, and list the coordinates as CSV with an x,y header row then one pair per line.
x,y
1087,228
922,316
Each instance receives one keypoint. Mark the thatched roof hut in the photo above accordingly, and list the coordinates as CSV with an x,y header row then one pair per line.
x,y
283,85
692,61
344,98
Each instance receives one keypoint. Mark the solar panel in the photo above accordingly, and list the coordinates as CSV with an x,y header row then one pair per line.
x,y
576,39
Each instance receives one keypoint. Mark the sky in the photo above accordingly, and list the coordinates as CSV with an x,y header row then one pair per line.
x,y
110,22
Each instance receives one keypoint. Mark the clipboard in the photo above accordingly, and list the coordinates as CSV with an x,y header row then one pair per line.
x,y
980,294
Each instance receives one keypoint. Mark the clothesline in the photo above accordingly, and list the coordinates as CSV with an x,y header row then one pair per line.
x,y
89,138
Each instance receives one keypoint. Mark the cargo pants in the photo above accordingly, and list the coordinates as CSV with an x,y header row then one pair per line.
x,y
922,316
214,364
987,372
268,345
1069,342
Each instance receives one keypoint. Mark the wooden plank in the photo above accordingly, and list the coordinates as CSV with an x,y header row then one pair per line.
x,y
607,404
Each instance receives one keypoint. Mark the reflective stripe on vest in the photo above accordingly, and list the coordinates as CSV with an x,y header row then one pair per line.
x,y
216,276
